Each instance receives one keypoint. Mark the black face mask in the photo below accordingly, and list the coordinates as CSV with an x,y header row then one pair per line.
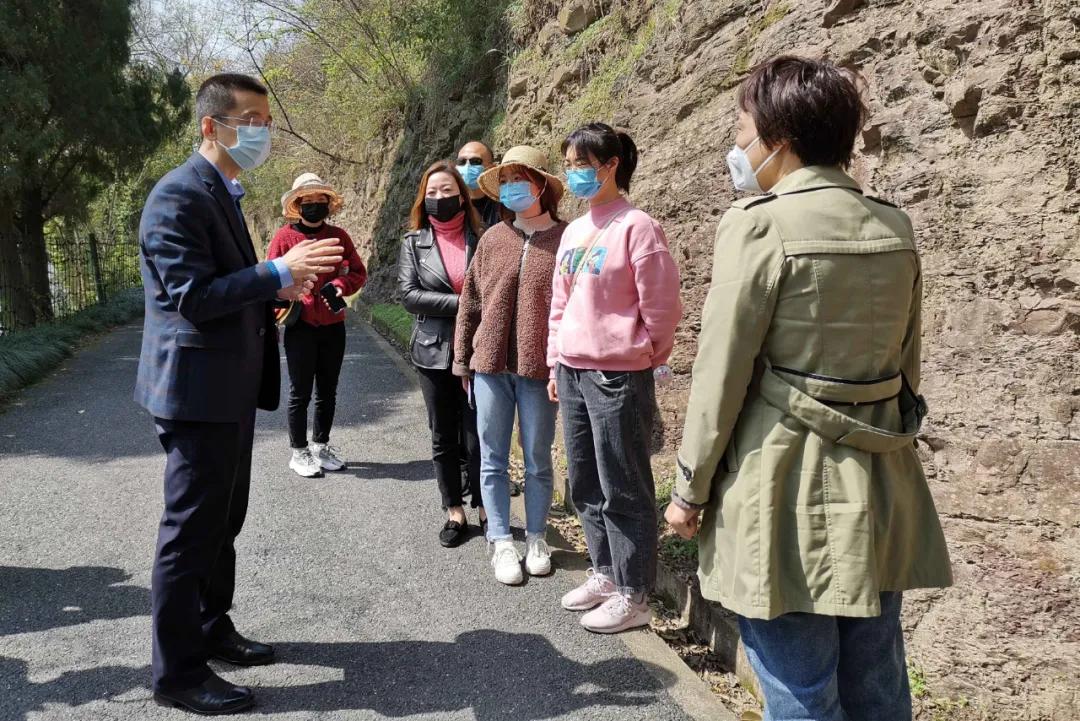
x,y
314,212
443,209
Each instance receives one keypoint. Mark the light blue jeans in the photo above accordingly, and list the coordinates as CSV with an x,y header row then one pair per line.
x,y
497,398
831,668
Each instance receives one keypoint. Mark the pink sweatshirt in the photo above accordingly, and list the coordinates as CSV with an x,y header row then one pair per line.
x,y
624,308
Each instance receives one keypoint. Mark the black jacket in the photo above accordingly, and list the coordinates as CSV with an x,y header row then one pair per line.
x,y
426,292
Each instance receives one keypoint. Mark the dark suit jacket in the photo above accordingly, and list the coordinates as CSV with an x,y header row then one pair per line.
x,y
426,292
209,350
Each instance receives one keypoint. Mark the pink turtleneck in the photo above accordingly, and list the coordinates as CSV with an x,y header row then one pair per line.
x,y
450,237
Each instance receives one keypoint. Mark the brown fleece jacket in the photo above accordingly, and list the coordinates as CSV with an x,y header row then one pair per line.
x,y
502,320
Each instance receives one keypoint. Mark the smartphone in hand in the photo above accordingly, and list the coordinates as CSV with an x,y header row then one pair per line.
x,y
333,300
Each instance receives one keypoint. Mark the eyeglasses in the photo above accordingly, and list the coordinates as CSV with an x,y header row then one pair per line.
x,y
470,161
249,122
580,165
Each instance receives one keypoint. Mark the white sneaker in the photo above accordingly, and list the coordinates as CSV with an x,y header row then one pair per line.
x,y
507,563
304,463
327,456
616,614
537,556
596,589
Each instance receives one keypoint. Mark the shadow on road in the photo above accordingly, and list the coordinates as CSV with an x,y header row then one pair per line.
x,y
408,471
38,599
21,697
498,675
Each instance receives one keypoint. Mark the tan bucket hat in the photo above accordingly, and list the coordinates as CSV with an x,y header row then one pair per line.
x,y
308,184
522,155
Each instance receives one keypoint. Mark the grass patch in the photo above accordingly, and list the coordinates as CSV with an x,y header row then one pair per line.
x,y
392,321
741,64
28,355
665,486
599,96
917,681
679,549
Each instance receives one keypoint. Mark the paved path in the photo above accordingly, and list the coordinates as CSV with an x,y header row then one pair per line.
x,y
371,617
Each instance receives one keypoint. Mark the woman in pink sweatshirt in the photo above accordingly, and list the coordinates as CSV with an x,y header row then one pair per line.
x,y
615,305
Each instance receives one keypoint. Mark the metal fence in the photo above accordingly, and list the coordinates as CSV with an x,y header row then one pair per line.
x,y
84,269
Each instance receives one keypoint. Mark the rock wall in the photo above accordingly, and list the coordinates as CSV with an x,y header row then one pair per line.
x,y
975,131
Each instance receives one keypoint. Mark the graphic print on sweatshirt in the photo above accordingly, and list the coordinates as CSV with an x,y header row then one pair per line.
x,y
571,260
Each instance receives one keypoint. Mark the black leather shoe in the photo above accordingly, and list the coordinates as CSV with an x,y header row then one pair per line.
x,y
236,649
213,697
454,534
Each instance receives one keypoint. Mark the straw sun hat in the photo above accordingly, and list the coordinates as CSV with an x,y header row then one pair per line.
x,y
304,185
524,156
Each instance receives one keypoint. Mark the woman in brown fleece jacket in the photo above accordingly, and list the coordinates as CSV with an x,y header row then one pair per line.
x,y
501,342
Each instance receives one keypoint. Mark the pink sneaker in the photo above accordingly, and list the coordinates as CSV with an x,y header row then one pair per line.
x,y
618,613
589,594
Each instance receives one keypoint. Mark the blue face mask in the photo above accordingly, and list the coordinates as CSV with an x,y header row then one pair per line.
x,y
252,146
517,197
469,173
582,182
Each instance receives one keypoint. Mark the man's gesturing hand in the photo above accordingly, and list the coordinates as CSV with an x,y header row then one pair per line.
x,y
309,258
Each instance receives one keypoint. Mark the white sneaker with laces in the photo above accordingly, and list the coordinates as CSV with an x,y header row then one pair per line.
x,y
327,456
618,613
507,563
537,556
589,595
304,463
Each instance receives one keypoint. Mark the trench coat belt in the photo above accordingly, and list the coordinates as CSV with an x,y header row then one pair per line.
x,y
803,405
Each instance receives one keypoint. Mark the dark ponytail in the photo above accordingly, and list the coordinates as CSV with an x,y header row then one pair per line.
x,y
603,142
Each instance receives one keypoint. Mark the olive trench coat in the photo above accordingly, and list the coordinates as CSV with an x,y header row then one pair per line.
x,y
800,428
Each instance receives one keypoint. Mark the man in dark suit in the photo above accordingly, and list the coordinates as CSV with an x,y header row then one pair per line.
x,y
209,358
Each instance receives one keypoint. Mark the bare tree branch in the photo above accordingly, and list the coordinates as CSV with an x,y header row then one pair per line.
x,y
250,50
297,21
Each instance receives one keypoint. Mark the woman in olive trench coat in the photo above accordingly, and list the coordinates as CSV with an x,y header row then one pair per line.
x,y
798,450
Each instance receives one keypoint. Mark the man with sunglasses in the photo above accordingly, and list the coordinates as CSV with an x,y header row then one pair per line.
x,y
209,358
473,159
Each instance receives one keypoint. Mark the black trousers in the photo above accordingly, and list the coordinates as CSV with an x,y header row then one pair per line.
x,y
314,355
453,436
207,477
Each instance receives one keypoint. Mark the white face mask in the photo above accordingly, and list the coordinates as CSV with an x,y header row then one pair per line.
x,y
743,173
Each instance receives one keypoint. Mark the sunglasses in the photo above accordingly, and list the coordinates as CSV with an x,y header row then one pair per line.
x,y
470,161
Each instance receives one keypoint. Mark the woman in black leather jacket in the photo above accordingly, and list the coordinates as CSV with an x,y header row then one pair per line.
x,y
444,228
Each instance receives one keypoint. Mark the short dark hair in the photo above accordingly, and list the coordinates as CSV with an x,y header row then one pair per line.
x,y
814,105
604,142
215,96
490,152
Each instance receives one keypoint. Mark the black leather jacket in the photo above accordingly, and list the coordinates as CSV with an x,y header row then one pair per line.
x,y
425,291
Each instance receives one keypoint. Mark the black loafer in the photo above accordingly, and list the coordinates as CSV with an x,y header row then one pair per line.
x,y
237,650
454,534
213,697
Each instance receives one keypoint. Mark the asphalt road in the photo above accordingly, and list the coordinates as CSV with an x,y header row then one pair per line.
x,y
371,617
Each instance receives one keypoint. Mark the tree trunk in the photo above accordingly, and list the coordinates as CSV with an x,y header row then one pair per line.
x,y
35,256
95,265
16,310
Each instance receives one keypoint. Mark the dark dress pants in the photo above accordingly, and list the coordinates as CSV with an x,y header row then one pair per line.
x,y
314,355
207,478
453,437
